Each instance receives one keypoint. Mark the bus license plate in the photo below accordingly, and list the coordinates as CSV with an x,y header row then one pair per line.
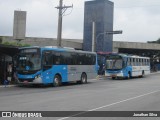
x,y
114,75
25,81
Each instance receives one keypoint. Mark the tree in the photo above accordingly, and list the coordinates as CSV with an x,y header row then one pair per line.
x,y
157,41
15,44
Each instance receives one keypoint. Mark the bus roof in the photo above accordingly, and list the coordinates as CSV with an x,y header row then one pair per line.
x,y
128,55
58,49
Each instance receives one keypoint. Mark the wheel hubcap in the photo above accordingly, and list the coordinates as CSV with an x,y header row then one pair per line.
x,y
56,81
83,79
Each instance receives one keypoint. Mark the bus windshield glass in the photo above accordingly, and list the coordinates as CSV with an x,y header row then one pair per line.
x,y
29,60
114,62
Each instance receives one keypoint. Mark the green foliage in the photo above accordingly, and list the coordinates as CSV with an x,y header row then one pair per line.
x,y
157,41
1,37
16,44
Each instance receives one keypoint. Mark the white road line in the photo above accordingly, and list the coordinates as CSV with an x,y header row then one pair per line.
x,y
110,105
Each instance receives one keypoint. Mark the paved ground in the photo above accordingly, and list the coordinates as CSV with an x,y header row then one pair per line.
x,y
138,94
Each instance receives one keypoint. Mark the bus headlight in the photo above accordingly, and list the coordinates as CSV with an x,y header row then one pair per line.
x,y
37,76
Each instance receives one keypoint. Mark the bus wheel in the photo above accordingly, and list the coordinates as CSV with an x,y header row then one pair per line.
x,y
83,78
143,74
56,81
113,78
129,75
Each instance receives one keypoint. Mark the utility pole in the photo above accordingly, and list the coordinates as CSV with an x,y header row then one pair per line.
x,y
62,10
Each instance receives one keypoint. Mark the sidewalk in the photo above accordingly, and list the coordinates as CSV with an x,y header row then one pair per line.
x,y
100,77
3,86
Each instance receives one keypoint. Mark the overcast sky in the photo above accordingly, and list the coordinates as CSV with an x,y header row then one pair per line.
x,y
139,19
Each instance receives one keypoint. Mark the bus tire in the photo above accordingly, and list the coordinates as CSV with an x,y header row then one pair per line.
x,y
129,75
113,78
143,74
57,81
83,78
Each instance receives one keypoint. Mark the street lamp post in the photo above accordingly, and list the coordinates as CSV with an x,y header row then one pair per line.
x,y
114,32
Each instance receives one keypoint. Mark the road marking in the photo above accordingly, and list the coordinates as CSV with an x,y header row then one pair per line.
x,y
109,105
124,100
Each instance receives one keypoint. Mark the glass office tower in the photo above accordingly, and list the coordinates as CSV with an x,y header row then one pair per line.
x,y
101,12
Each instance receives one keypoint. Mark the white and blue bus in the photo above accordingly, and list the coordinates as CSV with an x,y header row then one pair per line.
x,y
126,66
53,65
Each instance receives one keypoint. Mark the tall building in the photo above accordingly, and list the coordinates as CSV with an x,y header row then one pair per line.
x,y
101,12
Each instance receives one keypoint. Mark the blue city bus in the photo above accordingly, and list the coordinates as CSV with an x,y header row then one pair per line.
x,y
126,66
53,65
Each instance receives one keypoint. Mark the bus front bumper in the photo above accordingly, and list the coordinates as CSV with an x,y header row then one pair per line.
x,y
30,81
114,75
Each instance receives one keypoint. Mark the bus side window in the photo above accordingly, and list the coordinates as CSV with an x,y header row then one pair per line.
x,y
142,62
137,62
57,61
81,59
47,60
94,60
129,62
148,62
133,61
56,58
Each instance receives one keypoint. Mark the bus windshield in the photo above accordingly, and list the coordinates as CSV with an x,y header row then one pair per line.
x,y
29,61
114,63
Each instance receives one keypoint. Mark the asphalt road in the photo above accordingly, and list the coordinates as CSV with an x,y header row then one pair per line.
x,y
137,94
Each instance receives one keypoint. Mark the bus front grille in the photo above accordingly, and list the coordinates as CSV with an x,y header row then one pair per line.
x,y
28,80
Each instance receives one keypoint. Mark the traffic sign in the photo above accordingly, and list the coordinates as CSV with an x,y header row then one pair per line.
x,y
114,32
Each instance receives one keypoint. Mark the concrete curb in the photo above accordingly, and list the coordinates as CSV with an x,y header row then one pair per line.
x,y
98,78
3,86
